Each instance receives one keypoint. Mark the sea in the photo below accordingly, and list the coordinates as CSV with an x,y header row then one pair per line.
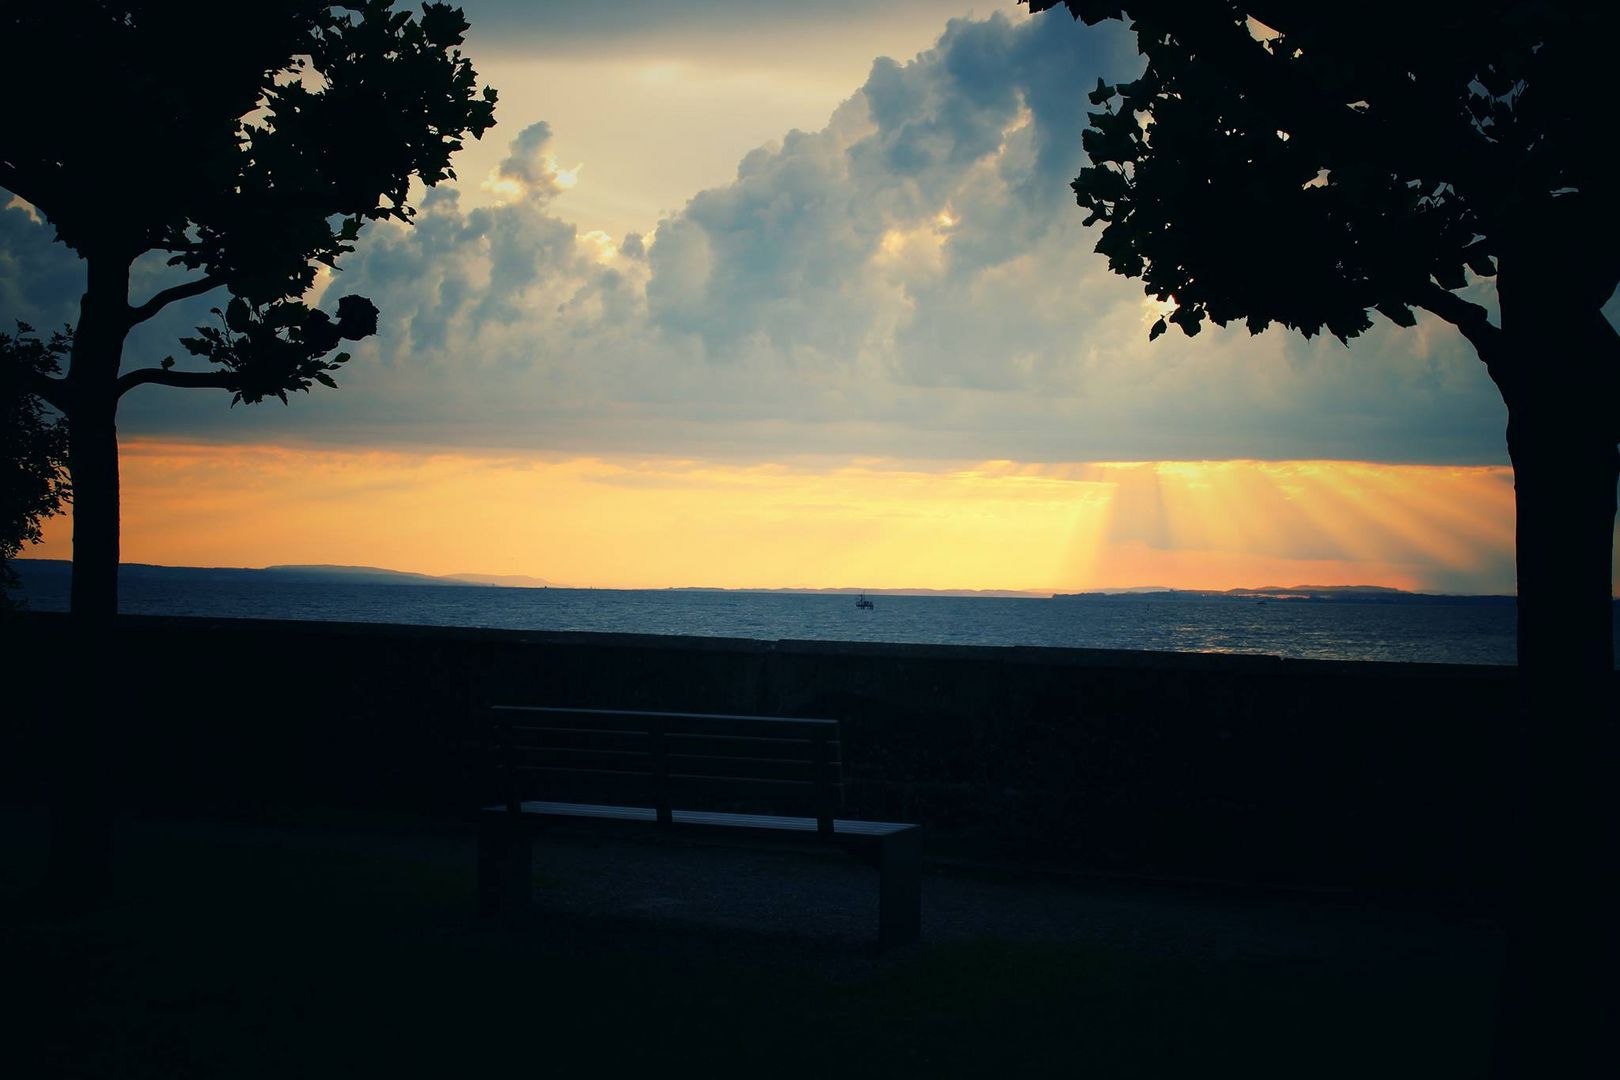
x,y
1462,630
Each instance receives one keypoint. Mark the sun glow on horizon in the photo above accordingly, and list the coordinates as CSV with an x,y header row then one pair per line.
x,y
627,522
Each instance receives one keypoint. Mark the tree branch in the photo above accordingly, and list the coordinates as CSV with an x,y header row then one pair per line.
x,y
1472,319
170,295
213,380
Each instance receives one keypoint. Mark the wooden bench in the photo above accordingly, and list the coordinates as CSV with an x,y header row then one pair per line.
x,y
682,773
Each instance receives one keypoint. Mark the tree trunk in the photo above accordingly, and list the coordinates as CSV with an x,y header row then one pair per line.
x,y
79,875
93,466
1559,374
1565,470
92,392
1561,901
1558,1002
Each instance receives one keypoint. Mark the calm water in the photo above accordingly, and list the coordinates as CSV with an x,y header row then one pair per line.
x,y
1467,633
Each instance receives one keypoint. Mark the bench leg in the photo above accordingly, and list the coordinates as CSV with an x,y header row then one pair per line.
x,y
900,889
505,867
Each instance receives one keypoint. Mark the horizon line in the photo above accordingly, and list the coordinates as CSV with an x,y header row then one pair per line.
x,y
482,578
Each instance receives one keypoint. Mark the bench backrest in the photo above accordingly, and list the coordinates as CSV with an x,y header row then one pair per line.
x,y
669,761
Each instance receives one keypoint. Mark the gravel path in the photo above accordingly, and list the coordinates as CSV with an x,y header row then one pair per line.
x,y
820,903
823,896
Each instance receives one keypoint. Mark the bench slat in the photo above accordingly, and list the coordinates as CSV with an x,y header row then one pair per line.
x,y
800,771
717,723
578,757
739,745
684,791
571,759
639,741
749,747
584,785
771,822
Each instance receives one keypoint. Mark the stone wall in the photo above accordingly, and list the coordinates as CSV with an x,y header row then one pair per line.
x,y
1235,767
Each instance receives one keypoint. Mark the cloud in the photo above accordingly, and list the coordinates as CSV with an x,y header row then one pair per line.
x,y
911,279
529,170
719,26
40,280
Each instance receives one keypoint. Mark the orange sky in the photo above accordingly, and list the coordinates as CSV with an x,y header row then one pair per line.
x,y
623,522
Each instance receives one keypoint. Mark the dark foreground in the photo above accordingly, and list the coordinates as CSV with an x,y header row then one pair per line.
x,y
300,948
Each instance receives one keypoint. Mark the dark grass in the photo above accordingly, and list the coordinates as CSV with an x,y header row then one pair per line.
x,y
233,951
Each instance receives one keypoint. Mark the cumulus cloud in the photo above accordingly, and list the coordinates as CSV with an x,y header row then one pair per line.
x,y
529,170
40,280
910,279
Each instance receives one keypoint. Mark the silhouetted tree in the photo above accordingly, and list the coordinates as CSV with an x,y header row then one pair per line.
x,y
33,446
1355,164
1308,164
248,143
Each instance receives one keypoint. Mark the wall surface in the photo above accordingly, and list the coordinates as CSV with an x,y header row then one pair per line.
x,y
1235,767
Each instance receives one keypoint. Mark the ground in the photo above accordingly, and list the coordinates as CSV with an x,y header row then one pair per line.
x,y
347,945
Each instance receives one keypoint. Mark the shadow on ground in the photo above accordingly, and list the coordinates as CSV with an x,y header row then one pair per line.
x,y
300,949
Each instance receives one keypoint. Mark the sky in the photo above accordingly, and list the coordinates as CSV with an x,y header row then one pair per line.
x,y
749,293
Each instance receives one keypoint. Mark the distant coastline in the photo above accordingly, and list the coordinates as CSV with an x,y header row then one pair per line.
x,y
312,573
316,573
1357,594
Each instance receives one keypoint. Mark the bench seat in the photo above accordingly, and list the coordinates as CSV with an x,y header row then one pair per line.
x,y
852,830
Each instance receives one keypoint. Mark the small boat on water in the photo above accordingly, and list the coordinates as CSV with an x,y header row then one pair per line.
x,y
863,602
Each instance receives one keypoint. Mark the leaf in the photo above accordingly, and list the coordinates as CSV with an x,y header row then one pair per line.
x,y
1478,260
1399,314
236,315
1158,328
1190,319
166,363
325,380
1450,277
1101,94
1101,182
357,317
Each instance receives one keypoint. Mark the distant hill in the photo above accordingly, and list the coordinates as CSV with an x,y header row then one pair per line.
x,y
843,590
302,574
354,575
1361,594
507,581
1326,590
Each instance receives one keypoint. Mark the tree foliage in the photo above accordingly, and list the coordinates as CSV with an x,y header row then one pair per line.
x,y
282,347
33,445
248,144
1309,164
